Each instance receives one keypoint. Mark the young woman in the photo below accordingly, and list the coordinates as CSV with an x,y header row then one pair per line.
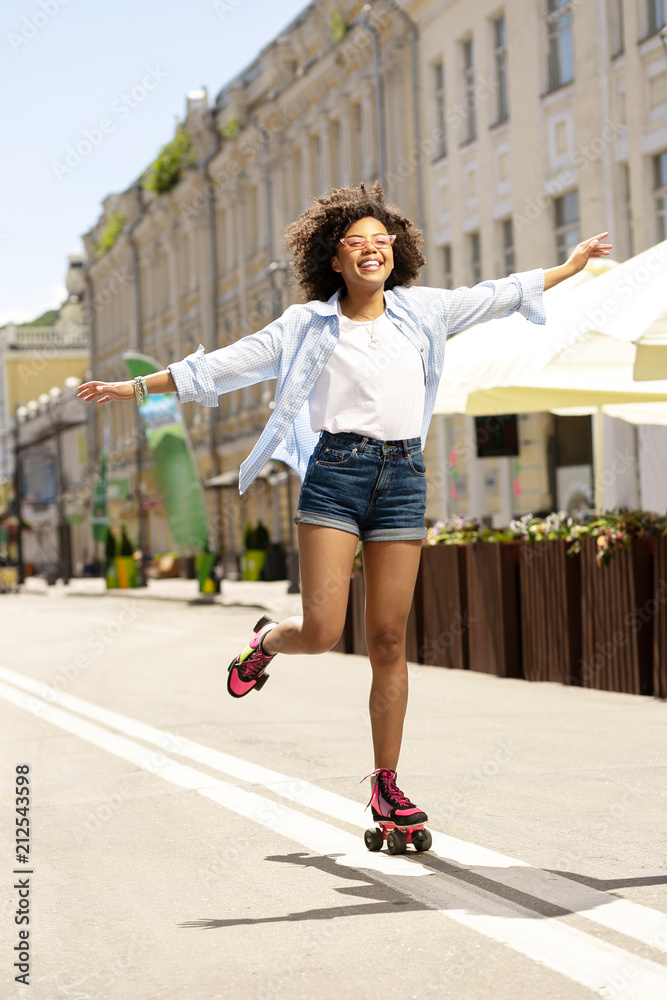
x,y
357,369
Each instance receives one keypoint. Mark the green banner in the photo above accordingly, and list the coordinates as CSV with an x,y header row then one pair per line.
x,y
100,518
175,467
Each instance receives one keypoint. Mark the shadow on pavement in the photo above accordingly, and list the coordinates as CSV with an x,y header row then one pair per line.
x,y
387,899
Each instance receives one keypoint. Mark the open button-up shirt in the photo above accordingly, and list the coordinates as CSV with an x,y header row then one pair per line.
x,y
295,348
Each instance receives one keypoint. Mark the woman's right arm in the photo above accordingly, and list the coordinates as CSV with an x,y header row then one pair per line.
x,y
105,392
204,377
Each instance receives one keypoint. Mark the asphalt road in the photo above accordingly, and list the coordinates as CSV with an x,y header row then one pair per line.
x,y
187,845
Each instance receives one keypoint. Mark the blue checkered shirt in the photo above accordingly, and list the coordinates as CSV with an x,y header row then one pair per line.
x,y
295,348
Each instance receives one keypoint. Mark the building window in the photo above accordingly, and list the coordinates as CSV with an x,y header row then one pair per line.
x,y
656,15
615,14
182,251
508,245
447,277
660,184
626,203
500,68
440,118
561,54
356,143
316,165
253,222
336,155
221,233
298,189
567,224
475,258
468,53
232,242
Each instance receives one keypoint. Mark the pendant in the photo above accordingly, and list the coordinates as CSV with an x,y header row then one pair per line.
x,y
373,344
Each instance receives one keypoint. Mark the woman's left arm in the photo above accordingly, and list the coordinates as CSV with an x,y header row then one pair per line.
x,y
577,260
464,307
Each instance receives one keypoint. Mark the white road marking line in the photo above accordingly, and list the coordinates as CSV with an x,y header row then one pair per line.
x,y
641,923
588,961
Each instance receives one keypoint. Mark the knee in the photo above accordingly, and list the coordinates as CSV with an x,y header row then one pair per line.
x,y
319,638
386,643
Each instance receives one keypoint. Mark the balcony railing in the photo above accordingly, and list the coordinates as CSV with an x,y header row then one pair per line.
x,y
18,337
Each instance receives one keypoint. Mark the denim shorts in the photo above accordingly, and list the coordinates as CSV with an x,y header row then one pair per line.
x,y
373,489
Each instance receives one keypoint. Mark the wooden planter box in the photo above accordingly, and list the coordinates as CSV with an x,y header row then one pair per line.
x,y
414,631
550,611
493,608
444,606
660,629
357,603
617,626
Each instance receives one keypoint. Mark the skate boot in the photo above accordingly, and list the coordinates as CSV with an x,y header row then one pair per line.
x,y
400,821
246,671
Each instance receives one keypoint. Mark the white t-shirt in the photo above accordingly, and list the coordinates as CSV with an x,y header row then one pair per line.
x,y
378,393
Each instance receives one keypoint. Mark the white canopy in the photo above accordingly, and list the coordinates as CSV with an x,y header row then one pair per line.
x,y
583,358
577,359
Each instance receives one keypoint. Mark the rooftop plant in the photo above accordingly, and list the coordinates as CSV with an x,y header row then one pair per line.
x,y
230,128
337,26
173,159
114,225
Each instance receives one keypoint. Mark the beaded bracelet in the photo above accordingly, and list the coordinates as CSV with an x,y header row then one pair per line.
x,y
140,390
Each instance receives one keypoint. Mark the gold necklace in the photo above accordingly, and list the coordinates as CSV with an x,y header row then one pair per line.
x,y
373,342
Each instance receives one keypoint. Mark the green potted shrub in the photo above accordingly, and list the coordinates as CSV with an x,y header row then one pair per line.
x,y
207,570
110,547
126,564
255,543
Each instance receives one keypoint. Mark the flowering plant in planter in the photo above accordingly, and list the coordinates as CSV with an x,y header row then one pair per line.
x,y
612,530
456,530
615,529
536,529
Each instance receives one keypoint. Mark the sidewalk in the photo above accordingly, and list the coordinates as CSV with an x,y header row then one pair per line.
x,y
272,597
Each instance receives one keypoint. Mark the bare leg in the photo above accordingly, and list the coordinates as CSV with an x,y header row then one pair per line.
x,y
325,561
390,570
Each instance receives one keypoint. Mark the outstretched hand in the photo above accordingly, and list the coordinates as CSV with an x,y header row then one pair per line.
x,y
584,251
105,392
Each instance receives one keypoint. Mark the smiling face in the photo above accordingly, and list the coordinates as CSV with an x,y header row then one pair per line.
x,y
369,267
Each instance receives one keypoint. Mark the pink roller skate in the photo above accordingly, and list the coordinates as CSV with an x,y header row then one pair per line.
x,y
400,821
246,671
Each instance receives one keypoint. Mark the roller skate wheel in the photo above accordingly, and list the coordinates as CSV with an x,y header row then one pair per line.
x,y
422,840
397,842
374,839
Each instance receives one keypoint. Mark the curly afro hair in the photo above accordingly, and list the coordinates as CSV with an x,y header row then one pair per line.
x,y
313,239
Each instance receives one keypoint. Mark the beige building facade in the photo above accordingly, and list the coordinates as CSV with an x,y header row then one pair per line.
x,y
544,121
